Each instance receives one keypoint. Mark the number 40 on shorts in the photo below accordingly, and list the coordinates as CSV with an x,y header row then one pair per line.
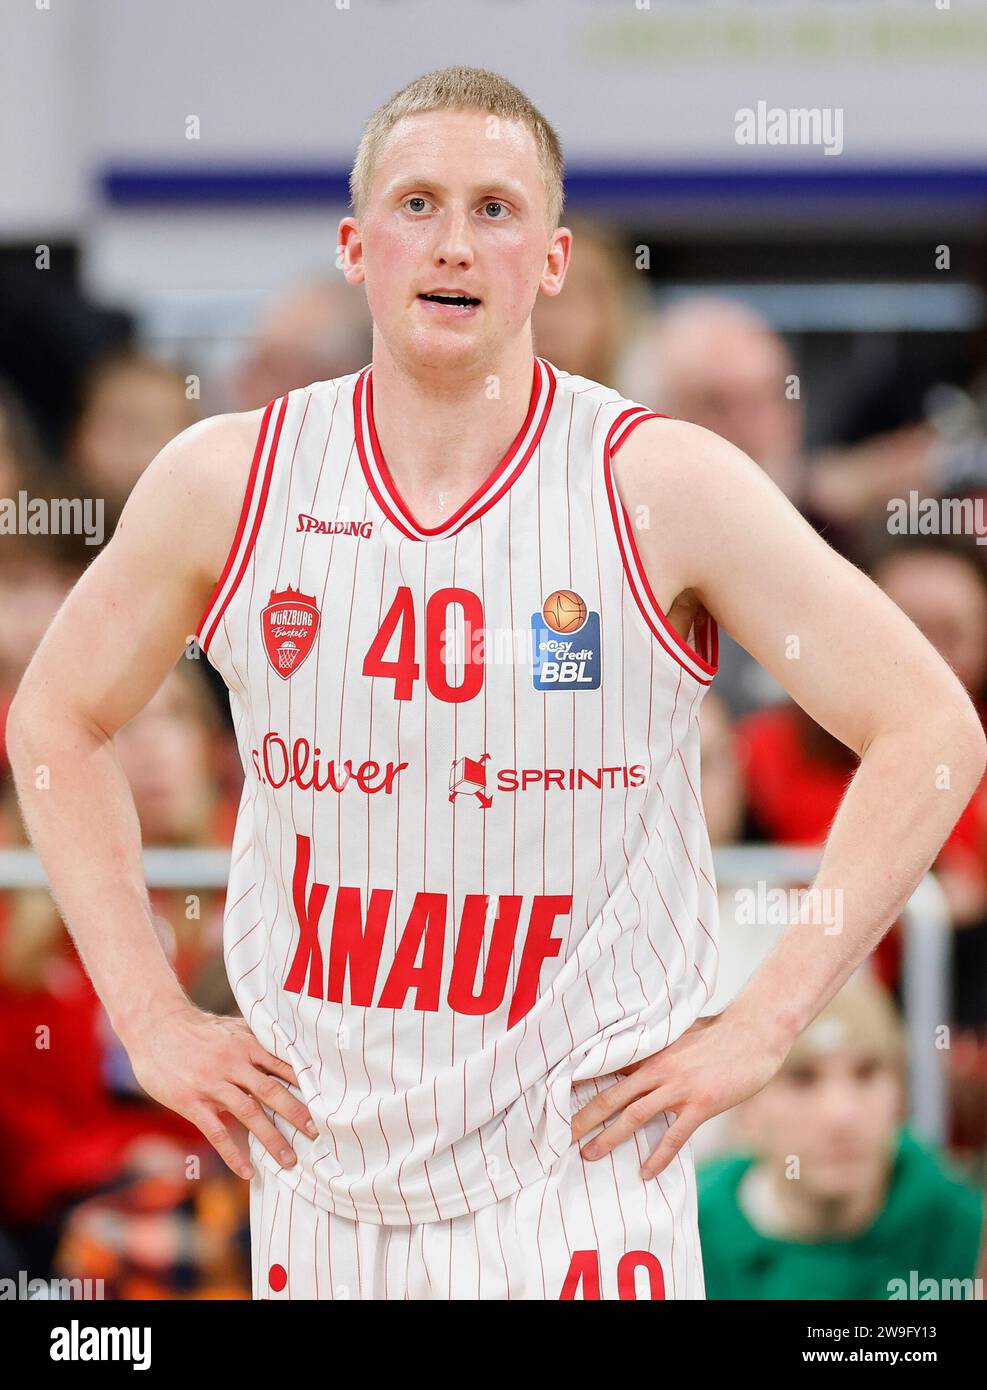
x,y
584,1275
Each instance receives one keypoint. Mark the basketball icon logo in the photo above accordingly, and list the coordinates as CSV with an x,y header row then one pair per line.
x,y
564,611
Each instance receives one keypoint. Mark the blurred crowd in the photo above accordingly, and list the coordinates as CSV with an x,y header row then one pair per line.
x,y
99,1182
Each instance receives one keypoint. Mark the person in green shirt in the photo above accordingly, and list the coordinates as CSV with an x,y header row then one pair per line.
x,y
833,1197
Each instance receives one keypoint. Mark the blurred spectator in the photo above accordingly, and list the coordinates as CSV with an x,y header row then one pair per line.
x,y
832,1198
717,363
316,330
130,406
720,772
36,570
22,459
63,1131
853,485
584,329
185,776
722,791
70,1110
162,1230
916,420
728,820
940,585
36,573
796,772
943,590
174,754
49,336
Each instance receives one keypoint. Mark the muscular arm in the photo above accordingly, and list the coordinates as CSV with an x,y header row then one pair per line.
x,y
723,535
118,634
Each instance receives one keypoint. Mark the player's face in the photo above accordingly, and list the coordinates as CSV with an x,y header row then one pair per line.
x,y
457,206
839,1113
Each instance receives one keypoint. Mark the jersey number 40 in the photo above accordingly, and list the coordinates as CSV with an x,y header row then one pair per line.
x,y
442,641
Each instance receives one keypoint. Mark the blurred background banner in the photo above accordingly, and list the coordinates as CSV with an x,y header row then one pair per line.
x,y
640,91
780,219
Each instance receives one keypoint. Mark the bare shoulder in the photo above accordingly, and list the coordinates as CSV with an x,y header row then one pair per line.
x,y
691,494
194,488
151,582
679,462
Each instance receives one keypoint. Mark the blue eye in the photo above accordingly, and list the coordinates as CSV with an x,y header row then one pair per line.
x,y
500,206
420,201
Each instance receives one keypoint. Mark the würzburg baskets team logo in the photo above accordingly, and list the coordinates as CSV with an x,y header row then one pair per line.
x,y
288,625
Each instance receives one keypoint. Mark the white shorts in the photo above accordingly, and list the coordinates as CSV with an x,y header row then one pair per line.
x,y
586,1230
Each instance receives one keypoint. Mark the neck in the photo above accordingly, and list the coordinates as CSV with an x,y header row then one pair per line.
x,y
443,432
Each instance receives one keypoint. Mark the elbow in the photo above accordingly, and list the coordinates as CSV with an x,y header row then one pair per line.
x,y
979,745
966,743
38,721
17,731
25,723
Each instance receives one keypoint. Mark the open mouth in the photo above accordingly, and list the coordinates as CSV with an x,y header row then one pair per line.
x,y
458,301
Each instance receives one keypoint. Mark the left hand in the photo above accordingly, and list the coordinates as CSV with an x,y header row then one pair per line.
x,y
713,1066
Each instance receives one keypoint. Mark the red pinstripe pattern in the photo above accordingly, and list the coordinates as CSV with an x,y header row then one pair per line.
x,y
506,473
670,640
444,1162
254,501
242,521
521,1247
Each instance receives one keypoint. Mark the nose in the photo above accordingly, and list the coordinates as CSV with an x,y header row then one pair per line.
x,y
839,1104
454,244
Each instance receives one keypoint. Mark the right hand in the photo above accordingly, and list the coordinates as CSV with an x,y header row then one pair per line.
x,y
213,1071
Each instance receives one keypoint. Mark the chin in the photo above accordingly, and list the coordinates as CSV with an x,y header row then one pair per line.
x,y
833,1178
444,350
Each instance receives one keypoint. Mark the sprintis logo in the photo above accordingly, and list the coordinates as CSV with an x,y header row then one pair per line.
x,y
468,778
355,952
571,779
319,527
288,626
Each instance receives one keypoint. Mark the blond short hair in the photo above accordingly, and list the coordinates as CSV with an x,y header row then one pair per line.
x,y
460,89
862,1017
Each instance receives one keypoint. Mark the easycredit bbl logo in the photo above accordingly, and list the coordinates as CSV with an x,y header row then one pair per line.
x,y
566,649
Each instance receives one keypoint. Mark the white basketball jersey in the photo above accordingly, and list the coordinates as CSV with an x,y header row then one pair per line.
x,y
471,865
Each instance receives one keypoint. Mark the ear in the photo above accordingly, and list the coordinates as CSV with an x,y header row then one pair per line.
x,y
349,251
556,262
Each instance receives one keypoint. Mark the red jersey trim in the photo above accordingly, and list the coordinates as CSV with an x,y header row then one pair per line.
x,y
507,472
702,666
251,512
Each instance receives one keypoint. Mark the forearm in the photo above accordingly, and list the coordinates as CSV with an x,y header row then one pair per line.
x,y
80,815
889,829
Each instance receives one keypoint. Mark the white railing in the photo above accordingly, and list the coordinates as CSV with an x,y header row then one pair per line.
x,y
926,967
926,953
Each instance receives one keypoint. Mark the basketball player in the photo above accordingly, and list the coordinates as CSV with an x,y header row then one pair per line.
x,y
466,606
